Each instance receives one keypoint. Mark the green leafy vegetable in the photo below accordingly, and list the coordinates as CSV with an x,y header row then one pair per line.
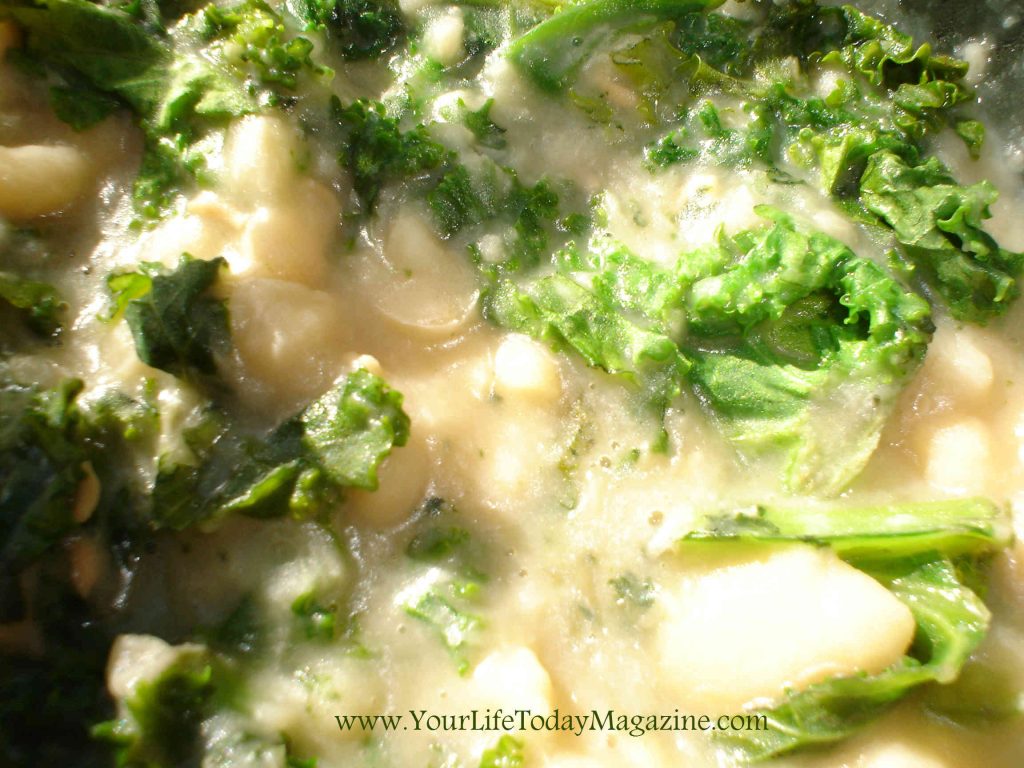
x,y
42,462
439,535
317,621
361,29
62,685
105,46
940,225
557,309
479,122
376,150
181,96
299,469
81,107
952,528
796,334
779,330
507,753
164,716
38,303
440,609
951,622
175,322
443,597
632,590
544,55
908,548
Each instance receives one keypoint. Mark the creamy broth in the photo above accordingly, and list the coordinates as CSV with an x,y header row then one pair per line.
x,y
522,549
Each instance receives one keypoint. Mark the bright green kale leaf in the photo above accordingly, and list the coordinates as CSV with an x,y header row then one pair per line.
x,y
352,429
791,333
507,753
299,469
439,606
37,303
557,309
176,324
252,40
939,223
865,534
316,620
908,548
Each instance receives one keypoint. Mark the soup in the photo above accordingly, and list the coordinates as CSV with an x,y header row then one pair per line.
x,y
486,384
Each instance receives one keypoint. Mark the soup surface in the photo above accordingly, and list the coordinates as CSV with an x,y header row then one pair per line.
x,y
553,385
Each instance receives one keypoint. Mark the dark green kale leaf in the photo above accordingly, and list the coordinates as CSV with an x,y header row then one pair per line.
x,y
81,107
57,456
105,46
42,462
176,324
359,29
166,719
939,223
246,61
164,716
38,304
299,469
439,534
62,685
479,123
376,151
457,203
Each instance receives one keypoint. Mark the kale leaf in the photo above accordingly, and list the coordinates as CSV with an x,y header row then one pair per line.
x,y
377,151
299,469
543,55
181,95
42,463
939,223
39,304
360,29
175,322
507,753
951,622
918,552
